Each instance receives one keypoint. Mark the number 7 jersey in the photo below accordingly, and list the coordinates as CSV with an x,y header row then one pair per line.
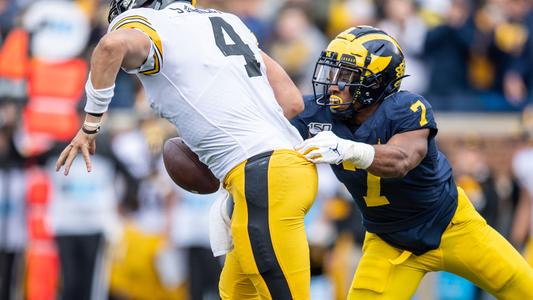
x,y
205,74
410,212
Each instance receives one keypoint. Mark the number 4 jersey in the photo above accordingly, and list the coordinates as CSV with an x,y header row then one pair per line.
x,y
412,212
205,74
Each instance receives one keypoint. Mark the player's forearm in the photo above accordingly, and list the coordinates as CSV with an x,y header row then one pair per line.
x,y
390,162
106,61
286,92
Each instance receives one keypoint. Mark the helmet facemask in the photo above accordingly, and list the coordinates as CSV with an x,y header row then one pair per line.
x,y
362,83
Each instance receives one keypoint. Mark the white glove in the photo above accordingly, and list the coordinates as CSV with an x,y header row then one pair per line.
x,y
326,147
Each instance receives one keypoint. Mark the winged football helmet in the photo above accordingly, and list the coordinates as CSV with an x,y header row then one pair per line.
x,y
364,59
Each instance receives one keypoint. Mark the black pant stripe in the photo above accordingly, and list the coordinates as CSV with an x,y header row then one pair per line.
x,y
256,192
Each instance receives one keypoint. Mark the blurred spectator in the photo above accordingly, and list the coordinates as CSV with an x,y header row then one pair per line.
x,y
14,65
447,49
129,144
83,216
347,13
321,234
407,27
522,233
190,233
297,44
8,13
509,55
13,188
474,176
126,87
250,12
145,263
335,233
60,30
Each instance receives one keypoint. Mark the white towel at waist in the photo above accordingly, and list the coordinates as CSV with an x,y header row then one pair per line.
x,y
220,226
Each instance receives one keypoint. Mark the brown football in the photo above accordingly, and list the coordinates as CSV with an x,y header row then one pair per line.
x,y
186,170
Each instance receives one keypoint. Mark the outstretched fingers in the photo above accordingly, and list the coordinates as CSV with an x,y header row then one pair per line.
x,y
85,151
70,158
63,156
81,142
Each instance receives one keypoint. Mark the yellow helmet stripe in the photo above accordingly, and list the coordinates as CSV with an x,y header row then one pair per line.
x,y
378,63
348,43
158,55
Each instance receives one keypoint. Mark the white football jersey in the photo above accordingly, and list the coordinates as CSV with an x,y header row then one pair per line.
x,y
205,74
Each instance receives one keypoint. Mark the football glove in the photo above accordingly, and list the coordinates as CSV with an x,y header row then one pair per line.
x,y
328,148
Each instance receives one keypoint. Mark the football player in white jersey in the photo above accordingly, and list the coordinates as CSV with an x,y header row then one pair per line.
x,y
203,71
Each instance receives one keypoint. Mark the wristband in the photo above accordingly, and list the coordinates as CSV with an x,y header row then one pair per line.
x,y
97,99
360,154
87,131
91,124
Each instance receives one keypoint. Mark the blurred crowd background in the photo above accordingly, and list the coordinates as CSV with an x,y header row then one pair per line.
x,y
125,231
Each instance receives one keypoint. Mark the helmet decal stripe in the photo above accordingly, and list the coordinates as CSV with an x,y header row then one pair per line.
x,y
378,63
378,36
360,31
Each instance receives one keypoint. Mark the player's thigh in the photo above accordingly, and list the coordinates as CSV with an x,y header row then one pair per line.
x,y
487,259
271,196
234,284
292,184
384,273
474,250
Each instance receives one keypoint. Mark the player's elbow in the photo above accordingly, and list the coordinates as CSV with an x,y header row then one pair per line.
x,y
397,168
296,107
299,106
401,170
111,46
293,104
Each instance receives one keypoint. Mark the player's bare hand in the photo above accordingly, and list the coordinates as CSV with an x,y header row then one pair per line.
x,y
82,142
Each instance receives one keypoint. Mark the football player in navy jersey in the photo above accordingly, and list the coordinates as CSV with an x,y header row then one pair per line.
x,y
380,142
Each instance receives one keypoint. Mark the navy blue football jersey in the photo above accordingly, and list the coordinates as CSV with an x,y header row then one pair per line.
x,y
409,213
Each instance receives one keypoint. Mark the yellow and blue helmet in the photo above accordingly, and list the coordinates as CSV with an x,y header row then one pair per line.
x,y
364,59
116,7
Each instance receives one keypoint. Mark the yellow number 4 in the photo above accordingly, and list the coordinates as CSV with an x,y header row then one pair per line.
x,y
418,104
